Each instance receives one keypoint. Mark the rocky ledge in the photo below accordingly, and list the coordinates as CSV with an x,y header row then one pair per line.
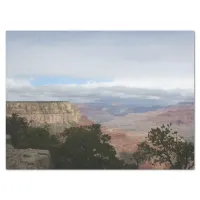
x,y
27,158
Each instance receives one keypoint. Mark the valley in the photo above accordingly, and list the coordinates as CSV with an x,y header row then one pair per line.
x,y
126,131
140,122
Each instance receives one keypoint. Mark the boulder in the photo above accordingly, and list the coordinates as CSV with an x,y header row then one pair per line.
x,y
27,158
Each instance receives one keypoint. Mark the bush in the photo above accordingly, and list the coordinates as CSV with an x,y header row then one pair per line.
x,y
86,148
15,127
25,136
37,138
164,145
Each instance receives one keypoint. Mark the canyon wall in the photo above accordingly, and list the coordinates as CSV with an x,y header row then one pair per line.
x,y
58,115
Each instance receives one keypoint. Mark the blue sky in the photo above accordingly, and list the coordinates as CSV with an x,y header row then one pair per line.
x,y
52,80
99,60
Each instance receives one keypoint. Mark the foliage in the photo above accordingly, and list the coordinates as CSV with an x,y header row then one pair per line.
x,y
165,146
23,135
138,157
129,162
77,147
37,138
86,148
15,126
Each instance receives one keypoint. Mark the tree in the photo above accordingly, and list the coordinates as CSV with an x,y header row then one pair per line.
x,y
15,126
37,138
129,162
86,148
23,135
165,146
138,157
15,123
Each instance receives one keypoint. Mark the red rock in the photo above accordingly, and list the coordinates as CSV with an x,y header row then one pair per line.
x,y
84,121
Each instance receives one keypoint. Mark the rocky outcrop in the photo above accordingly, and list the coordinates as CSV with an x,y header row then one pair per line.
x,y
27,158
58,115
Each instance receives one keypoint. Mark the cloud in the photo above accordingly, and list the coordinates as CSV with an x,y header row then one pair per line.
x,y
143,67
146,59
93,91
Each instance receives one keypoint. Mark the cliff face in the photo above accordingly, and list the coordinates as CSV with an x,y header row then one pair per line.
x,y
56,114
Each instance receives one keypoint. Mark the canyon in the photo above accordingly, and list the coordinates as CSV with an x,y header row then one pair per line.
x,y
126,131
181,117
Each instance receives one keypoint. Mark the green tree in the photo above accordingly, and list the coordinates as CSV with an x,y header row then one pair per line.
x,y
138,158
37,138
129,162
23,135
165,146
86,148
15,127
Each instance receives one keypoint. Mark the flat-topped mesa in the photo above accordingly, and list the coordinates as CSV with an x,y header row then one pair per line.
x,y
54,113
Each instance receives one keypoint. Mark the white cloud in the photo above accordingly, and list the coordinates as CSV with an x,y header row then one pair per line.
x,y
23,90
158,66
152,60
152,83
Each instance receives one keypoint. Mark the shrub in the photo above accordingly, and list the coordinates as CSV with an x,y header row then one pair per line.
x,y
23,135
164,145
86,148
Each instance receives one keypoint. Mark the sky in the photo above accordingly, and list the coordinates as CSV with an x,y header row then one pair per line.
x,y
89,66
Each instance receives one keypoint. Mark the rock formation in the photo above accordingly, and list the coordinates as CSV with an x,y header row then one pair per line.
x,y
181,117
58,115
27,158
